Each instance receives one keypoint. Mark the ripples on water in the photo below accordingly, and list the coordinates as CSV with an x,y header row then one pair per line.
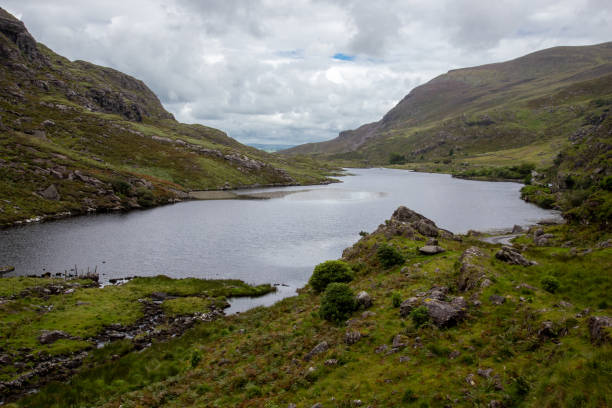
x,y
260,241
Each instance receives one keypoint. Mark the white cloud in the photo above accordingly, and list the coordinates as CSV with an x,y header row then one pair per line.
x,y
263,70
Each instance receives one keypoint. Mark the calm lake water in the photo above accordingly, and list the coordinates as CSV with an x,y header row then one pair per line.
x,y
260,241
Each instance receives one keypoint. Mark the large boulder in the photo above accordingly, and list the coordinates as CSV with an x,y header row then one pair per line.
x,y
408,305
50,193
431,249
599,328
51,336
445,314
471,273
406,222
512,256
363,299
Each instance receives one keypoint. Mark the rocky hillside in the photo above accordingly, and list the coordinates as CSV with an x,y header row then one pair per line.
x,y
534,102
76,137
422,318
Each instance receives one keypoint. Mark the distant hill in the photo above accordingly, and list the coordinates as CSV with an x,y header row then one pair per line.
x,y
76,137
270,148
536,101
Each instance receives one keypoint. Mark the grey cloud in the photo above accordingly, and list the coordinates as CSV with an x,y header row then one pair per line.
x,y
262,70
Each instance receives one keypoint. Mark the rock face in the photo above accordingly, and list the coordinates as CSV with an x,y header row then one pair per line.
x,y
16,31
599,329
512,256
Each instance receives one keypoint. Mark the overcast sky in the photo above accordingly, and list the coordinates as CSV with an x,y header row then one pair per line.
x,y
290,72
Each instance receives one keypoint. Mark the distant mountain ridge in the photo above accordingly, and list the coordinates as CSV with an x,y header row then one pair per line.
x,y
432,118
76,137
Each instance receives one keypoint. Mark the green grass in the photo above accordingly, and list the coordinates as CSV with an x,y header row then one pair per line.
x,y
86,312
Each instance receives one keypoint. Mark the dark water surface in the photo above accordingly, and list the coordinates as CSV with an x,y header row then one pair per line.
x,y
259,241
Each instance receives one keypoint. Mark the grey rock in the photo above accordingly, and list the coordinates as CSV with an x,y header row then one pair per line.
x,y
431,249
51,336
352,337
598,329
471,274
50,193
399,341
317,405
404,359
363,299
547,330
512,256
496,404
322,347
5,359
432,241
485,372
407,306
497,299
444,314
367,314
331,362
437,292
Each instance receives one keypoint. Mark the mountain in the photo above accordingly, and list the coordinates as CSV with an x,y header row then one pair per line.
x,y
76,137
534,102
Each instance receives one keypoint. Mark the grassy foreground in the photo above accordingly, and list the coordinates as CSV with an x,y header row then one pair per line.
x,y
524,341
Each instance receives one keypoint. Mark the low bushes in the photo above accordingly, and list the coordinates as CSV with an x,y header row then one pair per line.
x,y
329,272
388,256
338,303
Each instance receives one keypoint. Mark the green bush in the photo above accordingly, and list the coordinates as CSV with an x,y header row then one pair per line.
x,y
121,187
389,256
145,197
328,272
419,316
338,302
396,299
550,284
196,357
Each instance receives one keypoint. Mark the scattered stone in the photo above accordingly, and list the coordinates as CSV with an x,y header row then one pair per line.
x,y
547,330
497,299
159,296
599,329
48,122
367,314
437,292
352,337
404,359
318,349
525,286
583,313
512,256
543,239
454,354
51,336
605,244
399,341
382,349
485,372
317,405
363,299
496,404
5,359
357,403
470,380
564,304
486,283
331,362
50,193
431,249
432,241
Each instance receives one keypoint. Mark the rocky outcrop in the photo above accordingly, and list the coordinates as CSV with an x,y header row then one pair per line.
x,y
50,193
405,222
445,314
512,256
16,32
51,336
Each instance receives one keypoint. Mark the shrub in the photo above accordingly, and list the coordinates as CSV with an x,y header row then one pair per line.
x,y
328,272
121,187
196,357
419,316
389,256
396,299
409,396
145,197
338,302
550,284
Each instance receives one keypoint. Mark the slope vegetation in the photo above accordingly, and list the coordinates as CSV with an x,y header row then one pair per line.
x,y
532,103
76,137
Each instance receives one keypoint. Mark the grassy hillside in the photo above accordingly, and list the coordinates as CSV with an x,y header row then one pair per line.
x,y
531,104
76,137
514,335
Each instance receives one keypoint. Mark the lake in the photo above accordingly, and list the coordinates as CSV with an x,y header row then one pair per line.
x,y
276,241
